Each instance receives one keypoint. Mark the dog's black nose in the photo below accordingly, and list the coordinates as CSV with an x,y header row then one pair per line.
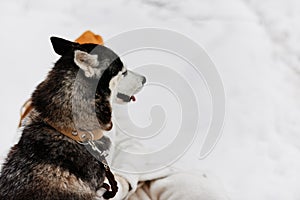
x,y
144,80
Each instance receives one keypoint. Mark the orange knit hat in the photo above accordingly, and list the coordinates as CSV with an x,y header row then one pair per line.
x,y
89,37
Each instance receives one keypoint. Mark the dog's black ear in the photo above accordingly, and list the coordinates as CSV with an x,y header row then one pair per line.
x,y
62,46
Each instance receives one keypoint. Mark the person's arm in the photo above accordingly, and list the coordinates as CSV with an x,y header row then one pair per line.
x,y
122,165
121,162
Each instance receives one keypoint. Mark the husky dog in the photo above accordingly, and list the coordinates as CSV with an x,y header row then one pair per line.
x,y
71,106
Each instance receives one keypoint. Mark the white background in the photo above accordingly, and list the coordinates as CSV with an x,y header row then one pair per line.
x,y
254,44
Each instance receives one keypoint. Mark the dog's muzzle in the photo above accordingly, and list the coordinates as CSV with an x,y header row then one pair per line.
x,y
130,85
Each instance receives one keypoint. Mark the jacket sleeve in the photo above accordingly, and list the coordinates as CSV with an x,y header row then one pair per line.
x,y
124,150
122,163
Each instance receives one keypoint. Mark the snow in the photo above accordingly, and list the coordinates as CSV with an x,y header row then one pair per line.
x,y
253,43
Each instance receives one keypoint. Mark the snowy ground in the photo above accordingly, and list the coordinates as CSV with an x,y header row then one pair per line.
x,y
255,45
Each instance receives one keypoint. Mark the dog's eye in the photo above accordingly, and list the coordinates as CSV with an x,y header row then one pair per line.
x,y
124,73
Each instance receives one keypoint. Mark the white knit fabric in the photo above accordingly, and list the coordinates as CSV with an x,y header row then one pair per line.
x,y
180,186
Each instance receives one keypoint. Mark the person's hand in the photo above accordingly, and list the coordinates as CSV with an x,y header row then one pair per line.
x,y
123,189
123,186
99,194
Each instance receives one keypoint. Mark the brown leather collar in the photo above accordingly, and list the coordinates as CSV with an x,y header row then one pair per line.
x,y
80,135
77,135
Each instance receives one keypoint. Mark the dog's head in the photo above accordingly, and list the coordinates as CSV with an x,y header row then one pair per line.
x,y
85,80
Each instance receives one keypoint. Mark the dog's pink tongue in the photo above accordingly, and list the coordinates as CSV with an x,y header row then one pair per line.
x,y
133,98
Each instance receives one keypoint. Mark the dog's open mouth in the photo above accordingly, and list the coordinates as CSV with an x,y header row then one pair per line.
x,y
130,85
126,98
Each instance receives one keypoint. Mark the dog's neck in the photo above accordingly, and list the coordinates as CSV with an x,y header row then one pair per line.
x,y
29,114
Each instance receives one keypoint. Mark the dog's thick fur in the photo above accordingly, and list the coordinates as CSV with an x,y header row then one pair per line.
x,y
46,164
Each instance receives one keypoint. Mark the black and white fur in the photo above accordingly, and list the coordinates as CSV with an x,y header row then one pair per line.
x,y
46,164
